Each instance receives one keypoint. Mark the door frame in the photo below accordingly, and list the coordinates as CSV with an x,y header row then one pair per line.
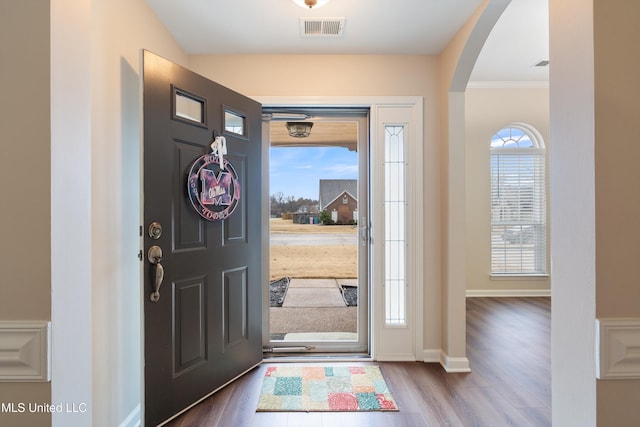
x,y
361,346
386,343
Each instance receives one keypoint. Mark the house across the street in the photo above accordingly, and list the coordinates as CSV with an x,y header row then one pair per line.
x,y
339,197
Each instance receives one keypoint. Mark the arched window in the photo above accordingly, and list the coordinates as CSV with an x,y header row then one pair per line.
x,y
518,202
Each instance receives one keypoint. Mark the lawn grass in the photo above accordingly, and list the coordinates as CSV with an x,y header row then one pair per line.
x,y
304,262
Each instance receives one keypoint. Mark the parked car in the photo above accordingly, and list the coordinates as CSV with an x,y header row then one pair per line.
x,y
519,234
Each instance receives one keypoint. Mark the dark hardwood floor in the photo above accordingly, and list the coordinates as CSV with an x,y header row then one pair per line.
x,y
508,345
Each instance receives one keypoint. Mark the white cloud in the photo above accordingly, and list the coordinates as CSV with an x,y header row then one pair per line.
x,y
342,169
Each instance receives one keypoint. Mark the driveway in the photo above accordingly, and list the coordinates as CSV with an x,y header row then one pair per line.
x,y
313,239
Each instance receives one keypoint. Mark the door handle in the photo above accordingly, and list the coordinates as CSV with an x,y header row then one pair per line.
x,y
155,256
364,231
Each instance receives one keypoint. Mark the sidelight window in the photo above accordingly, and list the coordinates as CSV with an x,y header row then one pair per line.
x,y
395,225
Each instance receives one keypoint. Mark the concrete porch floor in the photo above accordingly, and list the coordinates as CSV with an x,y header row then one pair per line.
x,y
316,293
314,305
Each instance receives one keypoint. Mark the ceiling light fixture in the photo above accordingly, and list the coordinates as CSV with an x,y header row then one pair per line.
x,y
310,3
299,129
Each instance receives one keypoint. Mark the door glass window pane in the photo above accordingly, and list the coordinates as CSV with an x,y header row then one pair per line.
x,y
234,123
189,108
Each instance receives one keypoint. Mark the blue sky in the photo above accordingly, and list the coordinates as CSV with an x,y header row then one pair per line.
x,y
297,171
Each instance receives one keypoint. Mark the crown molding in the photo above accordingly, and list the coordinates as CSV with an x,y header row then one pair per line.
x,y
533,84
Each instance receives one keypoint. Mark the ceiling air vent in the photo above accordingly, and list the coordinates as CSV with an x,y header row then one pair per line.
x,y
322,27
543,63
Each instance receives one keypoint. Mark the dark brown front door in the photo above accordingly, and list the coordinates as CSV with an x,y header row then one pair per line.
x,y
203,327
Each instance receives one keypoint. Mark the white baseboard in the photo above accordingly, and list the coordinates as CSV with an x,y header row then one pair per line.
x,y
450,364
618,346
454,364
133,419
471,293
431,356
25,351
396,357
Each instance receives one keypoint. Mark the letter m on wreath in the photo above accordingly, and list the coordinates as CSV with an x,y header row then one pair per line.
x,y
216,189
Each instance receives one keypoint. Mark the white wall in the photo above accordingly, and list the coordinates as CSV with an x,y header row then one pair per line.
x,y
71,209
96,76
489,109
122,28
572,204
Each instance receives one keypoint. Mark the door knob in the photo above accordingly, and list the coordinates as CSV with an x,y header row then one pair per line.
x,y
155,256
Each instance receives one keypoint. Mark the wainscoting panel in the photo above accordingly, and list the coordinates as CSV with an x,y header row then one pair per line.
x,y
25,350
618,346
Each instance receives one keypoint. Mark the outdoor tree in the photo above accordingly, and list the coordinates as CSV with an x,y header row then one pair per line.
x,y
280,204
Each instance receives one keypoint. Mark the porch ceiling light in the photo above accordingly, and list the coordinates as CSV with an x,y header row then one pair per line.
x,y
310,3
299,129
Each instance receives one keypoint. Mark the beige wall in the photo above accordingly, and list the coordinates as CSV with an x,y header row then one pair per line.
x,y
453,326
25,257
24,163
429,77
323,75
455,65
340,75
487,111
123,27
355,75
617,109
617,187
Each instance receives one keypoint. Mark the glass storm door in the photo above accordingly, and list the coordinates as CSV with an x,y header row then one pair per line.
x,y
319,231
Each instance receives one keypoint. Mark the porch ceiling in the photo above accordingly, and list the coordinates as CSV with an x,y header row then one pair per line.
x,y
323,134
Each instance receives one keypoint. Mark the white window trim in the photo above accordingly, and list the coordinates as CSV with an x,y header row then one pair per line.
x,y
538,149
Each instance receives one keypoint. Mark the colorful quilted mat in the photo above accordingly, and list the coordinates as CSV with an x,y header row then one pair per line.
x,y
321,388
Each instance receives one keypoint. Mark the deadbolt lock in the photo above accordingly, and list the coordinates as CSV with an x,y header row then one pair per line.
x,y
155,230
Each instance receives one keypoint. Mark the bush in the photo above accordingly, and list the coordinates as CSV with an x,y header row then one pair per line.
x,y
325,218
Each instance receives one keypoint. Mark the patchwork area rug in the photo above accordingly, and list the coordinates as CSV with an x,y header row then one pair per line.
x,y
337,388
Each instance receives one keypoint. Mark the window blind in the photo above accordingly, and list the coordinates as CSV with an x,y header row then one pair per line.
x,y
518,211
